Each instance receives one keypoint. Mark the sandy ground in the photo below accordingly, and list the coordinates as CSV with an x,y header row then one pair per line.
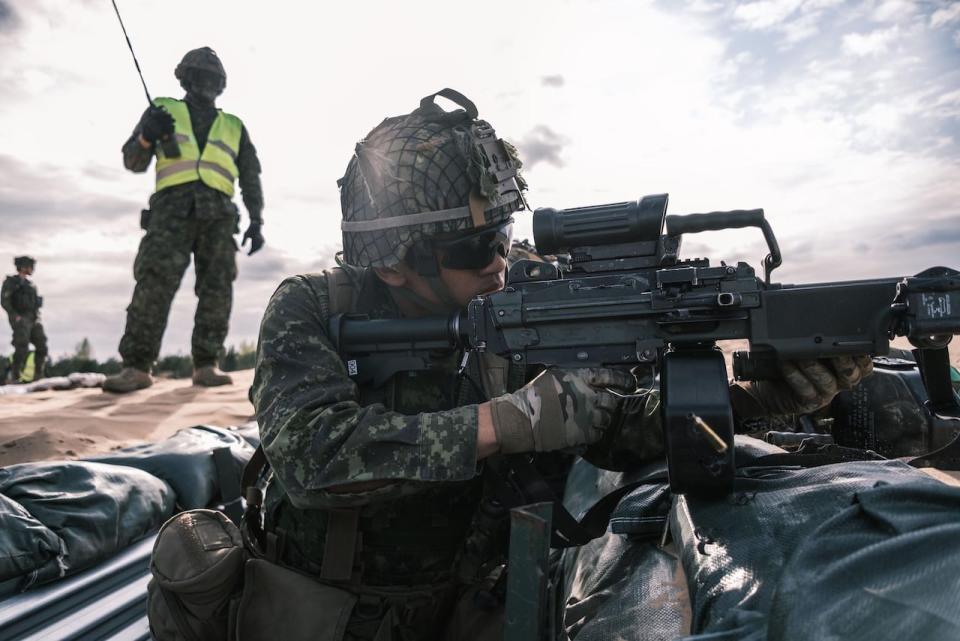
x,y
82,422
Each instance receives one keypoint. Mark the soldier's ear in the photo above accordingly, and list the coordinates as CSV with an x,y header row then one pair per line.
x,y
393,276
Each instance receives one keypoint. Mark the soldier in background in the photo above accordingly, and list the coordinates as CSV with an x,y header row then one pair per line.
x,y
191,212
20,300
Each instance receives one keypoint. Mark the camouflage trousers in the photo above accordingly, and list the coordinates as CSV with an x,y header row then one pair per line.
x,y
25,331
162,259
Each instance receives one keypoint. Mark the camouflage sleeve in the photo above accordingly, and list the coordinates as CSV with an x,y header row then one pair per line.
x,y
135,157
315,433
248,165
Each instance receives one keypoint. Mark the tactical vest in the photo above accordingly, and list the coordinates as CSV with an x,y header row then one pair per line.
x,y
23,296
411,540
216,166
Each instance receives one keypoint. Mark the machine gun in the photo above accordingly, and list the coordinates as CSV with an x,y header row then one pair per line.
x,y
625,298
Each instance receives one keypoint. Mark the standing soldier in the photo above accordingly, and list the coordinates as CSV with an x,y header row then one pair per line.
x,y
20,300
191,212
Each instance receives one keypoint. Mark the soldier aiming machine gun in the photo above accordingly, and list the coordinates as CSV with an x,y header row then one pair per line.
x,y
625,298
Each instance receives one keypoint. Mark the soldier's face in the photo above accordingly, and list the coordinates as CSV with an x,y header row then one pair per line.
x,y
465,284
462,284
205,84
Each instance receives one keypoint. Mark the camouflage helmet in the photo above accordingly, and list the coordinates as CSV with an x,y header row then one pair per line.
x,y
24,261
425,174
204,59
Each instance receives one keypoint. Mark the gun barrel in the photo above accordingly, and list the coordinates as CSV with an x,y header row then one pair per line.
x,y
356,333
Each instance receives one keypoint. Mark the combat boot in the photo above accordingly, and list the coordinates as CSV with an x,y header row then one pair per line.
x,y
128,380
210,376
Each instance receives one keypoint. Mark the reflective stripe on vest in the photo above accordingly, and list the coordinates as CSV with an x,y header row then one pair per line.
x,y
216,167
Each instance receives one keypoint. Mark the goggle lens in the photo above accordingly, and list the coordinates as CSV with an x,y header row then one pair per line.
x,y
477,250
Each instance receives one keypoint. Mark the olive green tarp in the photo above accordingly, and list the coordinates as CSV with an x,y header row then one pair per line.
x,y
859,550
59,517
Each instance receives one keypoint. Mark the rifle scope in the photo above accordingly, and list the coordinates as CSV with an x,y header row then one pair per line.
x,y
556,231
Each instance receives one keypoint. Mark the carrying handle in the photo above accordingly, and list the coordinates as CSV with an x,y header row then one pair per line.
x,y
453,96
736,219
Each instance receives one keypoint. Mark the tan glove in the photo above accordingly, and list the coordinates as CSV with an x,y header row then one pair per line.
x,y
558,409
806,386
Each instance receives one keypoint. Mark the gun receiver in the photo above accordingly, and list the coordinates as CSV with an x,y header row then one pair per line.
x,y
625,299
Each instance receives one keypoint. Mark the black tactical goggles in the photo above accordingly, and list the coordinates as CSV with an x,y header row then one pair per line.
x,y
478,249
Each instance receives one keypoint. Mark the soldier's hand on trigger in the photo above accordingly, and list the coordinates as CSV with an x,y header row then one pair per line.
x,y
808,385
255,236
559,409
156,124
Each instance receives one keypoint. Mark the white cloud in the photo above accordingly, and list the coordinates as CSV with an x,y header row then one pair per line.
x,y
804,27
894,11
945,16
704,6
870,44
956,38
951,98
797,20
765,13
880,119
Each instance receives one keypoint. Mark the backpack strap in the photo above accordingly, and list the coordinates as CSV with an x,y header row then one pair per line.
x,y
343,285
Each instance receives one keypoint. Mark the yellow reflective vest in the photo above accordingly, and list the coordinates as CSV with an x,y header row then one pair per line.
x,y
216,167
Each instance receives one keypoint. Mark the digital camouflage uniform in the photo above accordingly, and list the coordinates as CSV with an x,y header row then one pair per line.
x,y
401,458
417,432
20,300
184,220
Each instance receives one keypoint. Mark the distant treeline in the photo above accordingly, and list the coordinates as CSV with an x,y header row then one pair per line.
x,y
176,366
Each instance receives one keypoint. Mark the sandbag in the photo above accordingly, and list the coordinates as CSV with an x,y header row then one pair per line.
x,y
886,567
29,551
622,585
92,509
71,381
738,552
185,462
792,554
249,431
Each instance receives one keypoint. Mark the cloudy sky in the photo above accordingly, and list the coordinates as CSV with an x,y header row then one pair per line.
x,y
840,118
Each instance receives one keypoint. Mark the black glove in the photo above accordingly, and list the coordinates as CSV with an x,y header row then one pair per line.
x,y
156,124
254,236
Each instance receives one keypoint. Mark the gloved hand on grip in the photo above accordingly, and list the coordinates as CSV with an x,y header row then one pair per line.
x,y
156,124
805,386
254,235
558,409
